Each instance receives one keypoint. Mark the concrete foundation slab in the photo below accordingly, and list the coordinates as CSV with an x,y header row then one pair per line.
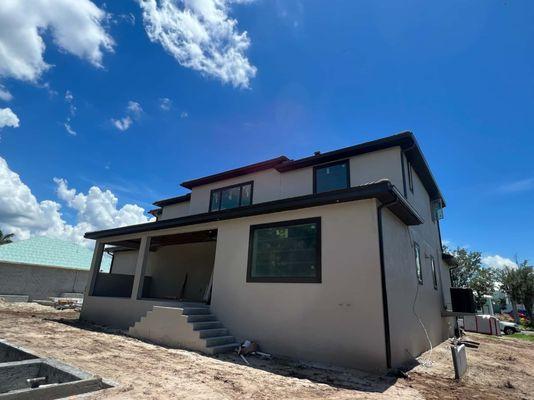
x,y
24,376
15,298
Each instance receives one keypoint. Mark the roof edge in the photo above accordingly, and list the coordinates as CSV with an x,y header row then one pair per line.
x,y
382,190
247,169
173,200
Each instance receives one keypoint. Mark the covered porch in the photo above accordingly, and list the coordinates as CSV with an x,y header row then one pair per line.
x,y
171,269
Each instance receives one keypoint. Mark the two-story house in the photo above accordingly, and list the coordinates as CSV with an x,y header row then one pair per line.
x,y
334,258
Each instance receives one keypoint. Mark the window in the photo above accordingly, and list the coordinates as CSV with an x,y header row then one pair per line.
x,y
434,276
410,176
418,269
231,197
285,252
332,176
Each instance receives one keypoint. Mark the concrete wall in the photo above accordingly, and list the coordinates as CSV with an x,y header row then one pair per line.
x,y
338,321
40,282
169,265
175,211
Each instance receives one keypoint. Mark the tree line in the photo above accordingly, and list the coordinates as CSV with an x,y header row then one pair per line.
x,y
517,282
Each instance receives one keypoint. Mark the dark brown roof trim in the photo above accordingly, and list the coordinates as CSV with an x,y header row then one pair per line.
x,y
405,140
383,190
173,200
233,173
155,212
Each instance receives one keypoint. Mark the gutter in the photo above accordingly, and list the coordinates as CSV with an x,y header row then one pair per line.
x,y
385,309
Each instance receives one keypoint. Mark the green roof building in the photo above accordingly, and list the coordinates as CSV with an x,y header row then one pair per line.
x,y
46,251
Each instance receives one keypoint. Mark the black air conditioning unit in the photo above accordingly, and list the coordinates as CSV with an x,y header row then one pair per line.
x,y
463,300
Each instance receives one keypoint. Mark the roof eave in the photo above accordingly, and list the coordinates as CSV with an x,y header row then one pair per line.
x,y
383,191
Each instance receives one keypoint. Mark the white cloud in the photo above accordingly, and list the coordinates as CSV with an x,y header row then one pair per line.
x,y
22,214
498,261
200,35
5,94
69,129
133,109
184,114
165,104
518,186
75,27
8,118
69,99
122,124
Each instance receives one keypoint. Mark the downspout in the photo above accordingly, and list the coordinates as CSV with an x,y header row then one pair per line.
x,y
385,311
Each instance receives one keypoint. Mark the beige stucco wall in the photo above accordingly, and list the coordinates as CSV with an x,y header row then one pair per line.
x,y
272,185
168,266
266,188
175,211
371,167
337,321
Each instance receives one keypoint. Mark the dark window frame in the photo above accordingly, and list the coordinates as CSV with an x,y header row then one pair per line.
x,y
332,164
434,272
318,253
221,189
410,175
418,263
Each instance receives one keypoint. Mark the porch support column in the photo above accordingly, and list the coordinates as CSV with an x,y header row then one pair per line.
x,y
140,268
95,268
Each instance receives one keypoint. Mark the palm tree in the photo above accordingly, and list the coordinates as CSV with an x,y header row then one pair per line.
x,y
5,239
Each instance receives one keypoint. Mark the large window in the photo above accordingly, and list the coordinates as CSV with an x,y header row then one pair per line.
x,y
434,275
418,268
285,252
231,196
332,176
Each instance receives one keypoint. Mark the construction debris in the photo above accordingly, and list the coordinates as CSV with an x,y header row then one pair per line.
x,y
251,347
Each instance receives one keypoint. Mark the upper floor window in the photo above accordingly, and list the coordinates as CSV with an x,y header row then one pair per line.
x,y
434,275
333,176
418,268
410,176
231,196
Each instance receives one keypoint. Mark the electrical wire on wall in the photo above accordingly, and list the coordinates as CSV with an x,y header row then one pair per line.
x,y
428,362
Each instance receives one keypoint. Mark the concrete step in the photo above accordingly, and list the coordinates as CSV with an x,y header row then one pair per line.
x,y
207,325
219,340
206,333
223,348
196,311
201,318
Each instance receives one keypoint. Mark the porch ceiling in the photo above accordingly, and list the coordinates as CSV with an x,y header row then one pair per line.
x,y
168,240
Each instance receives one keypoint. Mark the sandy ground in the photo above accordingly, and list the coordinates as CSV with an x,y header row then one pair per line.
x,y
502,368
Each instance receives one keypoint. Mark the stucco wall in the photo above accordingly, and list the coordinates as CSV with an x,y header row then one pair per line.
x,y
40,282
337,321
169,265
175,211
266,188
371,167
271,185
406,298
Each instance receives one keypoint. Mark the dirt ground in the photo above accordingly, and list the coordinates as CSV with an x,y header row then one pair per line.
x,y
502,368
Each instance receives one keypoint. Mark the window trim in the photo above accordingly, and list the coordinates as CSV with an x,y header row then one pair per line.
x,y
275,279
434,272
332,164
417,252
221,189
410,175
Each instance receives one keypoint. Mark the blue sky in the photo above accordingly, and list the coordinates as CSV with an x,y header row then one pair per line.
x,y
458,74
